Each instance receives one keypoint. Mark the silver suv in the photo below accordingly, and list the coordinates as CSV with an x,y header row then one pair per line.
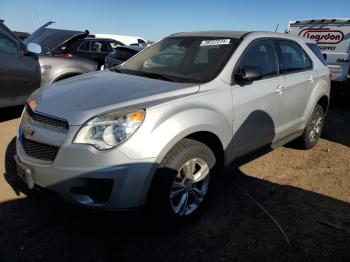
x,y
152,131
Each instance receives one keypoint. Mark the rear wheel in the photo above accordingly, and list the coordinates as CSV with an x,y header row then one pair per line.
x,y
181,183
314,127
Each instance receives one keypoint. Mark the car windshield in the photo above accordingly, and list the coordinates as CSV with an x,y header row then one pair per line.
x,y
182,59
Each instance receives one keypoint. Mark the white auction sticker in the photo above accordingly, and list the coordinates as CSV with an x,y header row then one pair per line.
x,y
215,42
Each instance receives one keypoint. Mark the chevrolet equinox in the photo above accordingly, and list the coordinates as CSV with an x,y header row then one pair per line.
x,y
154,130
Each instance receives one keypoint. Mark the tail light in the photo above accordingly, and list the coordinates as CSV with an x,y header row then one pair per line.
x,y
66,55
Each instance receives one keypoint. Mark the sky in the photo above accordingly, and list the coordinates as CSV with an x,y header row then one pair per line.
x,y
155,19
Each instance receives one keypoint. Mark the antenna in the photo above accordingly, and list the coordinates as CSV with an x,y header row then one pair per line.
x,y
276,27
37,16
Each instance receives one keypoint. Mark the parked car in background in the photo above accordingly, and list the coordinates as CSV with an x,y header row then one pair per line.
x,y
24,67
333,38
125,39
19,69
120,55
21,35
54,63
154,136
95,49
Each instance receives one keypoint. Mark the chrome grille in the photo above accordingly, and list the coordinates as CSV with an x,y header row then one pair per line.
x,y
46,120
39,150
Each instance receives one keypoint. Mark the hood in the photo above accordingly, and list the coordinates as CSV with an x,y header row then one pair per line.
x,y
50,39
79,98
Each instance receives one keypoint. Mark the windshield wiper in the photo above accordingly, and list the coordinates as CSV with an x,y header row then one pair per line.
x,y
142,73
116,69
156,76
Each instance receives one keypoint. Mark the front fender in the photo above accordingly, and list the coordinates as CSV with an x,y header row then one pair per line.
x,y
160,132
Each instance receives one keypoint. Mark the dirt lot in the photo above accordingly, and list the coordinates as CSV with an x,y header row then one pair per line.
x,y
307,192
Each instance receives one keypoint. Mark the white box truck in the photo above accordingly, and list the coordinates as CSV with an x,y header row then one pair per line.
x,y
333,38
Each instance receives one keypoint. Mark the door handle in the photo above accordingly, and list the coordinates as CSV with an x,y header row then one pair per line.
x,y
279,90
311,79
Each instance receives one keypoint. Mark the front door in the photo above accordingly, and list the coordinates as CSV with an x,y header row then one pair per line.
x,y
257,104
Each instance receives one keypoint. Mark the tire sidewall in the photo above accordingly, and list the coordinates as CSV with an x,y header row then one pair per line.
x,y
306,137
166,173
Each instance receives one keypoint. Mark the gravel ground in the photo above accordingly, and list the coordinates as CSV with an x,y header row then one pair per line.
x,y
306,192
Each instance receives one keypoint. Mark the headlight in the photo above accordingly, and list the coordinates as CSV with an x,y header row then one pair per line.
x,y
110,129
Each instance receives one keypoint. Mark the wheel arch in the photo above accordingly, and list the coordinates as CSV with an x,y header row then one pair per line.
x,y
324,102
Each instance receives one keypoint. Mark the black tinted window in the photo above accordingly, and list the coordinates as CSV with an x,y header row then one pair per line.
x,y
316,50
140,41
113,45
293,58
85,46
7,44
260,54
100,47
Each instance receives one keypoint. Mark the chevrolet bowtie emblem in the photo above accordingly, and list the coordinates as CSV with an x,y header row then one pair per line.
x,y
28,131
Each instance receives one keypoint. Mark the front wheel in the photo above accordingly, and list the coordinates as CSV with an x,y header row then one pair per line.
x,y
314,127
182,181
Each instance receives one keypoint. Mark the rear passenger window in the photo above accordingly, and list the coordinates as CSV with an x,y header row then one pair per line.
x,y
85,46
293,58
100,47
260,54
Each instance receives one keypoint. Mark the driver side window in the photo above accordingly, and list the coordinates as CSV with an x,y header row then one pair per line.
x,y
260,54
7,44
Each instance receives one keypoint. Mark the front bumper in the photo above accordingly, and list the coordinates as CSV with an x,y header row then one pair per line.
x,y
83,175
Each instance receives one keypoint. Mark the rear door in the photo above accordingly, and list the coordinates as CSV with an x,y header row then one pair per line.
x,y
19,73
297,82
256,105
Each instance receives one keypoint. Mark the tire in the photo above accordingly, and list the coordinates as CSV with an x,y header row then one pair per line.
x,y
181,182
313,130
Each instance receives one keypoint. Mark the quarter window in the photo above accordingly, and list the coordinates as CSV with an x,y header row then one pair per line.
x,y
316,50
293,57
260,54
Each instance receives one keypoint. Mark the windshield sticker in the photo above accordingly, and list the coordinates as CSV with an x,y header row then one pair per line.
x,y
215,42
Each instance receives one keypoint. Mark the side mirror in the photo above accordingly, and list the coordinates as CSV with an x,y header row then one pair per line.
x,y
248,74
325,56
34,48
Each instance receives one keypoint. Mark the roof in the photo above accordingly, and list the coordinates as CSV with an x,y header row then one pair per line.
x,y
241,34
101,39
229,34
322,21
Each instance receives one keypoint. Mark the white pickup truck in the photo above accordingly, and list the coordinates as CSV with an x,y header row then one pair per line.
x,y
333,38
